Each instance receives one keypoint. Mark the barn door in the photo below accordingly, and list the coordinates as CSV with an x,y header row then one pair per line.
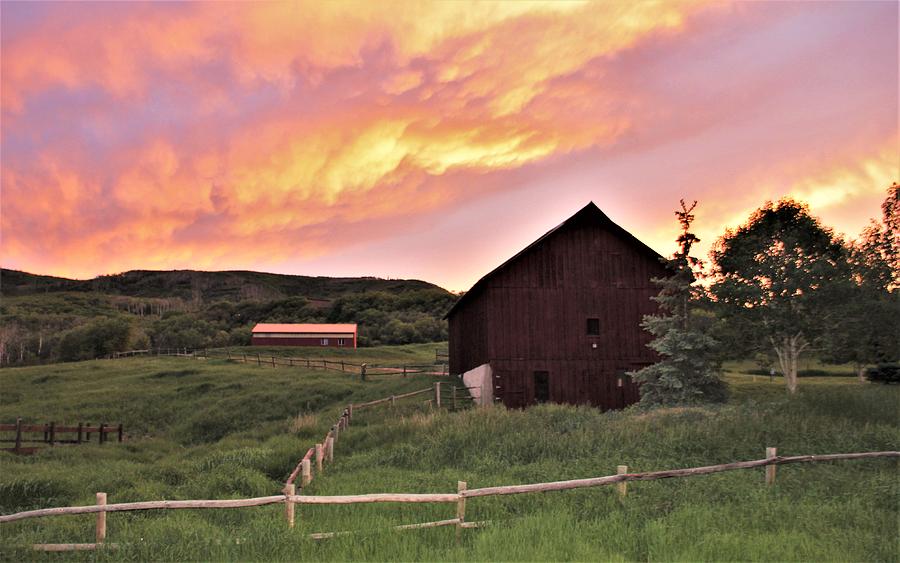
x,y
541,387
627,390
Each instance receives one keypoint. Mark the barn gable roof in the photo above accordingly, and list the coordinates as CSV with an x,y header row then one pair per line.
x,y
589,212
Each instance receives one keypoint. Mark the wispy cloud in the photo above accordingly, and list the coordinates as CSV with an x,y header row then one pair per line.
x,y
289,135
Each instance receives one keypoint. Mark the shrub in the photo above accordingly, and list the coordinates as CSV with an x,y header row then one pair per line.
x,y
884,373
95,339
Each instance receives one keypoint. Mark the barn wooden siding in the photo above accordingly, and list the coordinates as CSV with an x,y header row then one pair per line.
x,y
531,315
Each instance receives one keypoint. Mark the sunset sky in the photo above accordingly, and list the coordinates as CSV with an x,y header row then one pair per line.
x,y
426,140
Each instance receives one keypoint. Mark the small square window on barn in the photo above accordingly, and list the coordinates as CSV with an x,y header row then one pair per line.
x,y
593,327
324,342
340,341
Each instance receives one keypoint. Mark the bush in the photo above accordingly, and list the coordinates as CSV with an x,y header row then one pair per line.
x,y
94,340
884,373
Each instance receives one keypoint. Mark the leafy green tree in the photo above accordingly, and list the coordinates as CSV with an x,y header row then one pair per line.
x,y
96,339
869,321
689,371
778,279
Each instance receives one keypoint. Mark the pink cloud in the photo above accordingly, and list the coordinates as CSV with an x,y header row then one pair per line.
x,y
287,136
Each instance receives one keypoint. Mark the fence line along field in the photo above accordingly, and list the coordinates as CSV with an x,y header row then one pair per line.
x,y
223,431
770,462
24,433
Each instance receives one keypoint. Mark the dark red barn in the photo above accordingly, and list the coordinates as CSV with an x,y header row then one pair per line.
x,y
560,320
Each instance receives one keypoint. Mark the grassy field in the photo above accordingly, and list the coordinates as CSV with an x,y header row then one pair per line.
x,y
218,430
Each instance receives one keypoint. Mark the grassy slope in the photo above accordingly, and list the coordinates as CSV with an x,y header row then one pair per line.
x,y
217,430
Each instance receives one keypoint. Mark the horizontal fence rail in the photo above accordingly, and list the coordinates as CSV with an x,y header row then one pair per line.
x,y
442,497
439,368
345,366
50,434
324,450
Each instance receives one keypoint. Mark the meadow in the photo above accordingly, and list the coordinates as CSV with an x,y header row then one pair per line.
x,y
220,430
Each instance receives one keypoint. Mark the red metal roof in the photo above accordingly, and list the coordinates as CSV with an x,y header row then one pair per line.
x,y
305,328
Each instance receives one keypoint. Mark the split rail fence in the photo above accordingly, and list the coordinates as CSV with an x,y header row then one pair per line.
x,y
363,370
323,451
440,367
24,434
459,498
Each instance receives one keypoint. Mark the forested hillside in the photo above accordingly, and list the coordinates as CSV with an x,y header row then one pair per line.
x,y
45,318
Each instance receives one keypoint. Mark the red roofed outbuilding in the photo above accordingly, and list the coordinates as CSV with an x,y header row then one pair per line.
x,y
308,334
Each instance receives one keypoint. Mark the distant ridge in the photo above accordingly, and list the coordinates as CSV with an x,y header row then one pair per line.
x,y
208,286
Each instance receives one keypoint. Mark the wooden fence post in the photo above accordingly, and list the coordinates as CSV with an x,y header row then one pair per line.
x,y
362,372
437,394
622,486
258,360
101,518
460,508
289,491
342,365
329,448
291,362
320,457
52,432
18,434
305,473
273,361
102,436
121,432
770,469
392,401
335,432
404,370
80,429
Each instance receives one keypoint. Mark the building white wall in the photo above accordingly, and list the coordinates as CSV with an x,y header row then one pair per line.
x,y
480,380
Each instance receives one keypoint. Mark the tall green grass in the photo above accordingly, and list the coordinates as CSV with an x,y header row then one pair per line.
x,y
218,430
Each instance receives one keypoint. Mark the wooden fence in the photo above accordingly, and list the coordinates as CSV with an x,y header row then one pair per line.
x,y
50,434
323,451
459,498
363,370
156,352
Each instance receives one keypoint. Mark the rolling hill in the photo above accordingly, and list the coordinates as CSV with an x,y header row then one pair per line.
x,y
209,286
45,318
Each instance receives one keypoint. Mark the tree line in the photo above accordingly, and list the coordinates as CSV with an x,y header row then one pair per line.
x,y
78,326
778,287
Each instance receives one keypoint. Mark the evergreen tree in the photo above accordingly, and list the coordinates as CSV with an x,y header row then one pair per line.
x,y
689,369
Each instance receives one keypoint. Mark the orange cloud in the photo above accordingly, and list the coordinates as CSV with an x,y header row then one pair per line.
x,y
223,135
